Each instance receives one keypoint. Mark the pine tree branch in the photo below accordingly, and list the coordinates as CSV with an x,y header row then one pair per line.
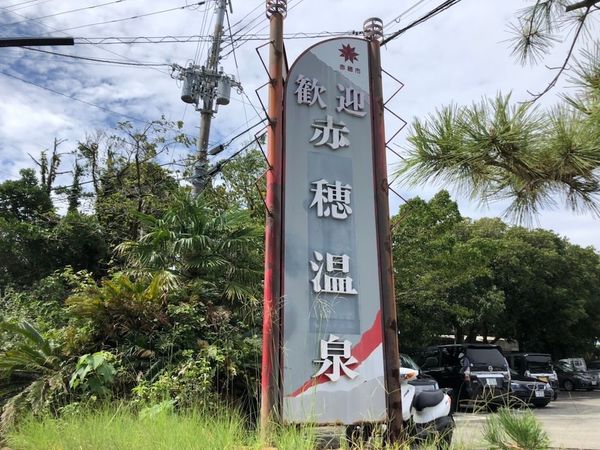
x,y
583,4
567,58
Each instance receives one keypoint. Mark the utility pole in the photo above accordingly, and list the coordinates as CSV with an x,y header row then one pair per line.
x,y
211,77
204,86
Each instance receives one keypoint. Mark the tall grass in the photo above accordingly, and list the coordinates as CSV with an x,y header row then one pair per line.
x,y
122,428
508,430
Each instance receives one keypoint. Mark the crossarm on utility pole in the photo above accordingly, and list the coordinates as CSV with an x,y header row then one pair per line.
x,y
36,41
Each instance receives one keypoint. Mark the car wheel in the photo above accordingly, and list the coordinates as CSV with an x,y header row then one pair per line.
x,y
568,385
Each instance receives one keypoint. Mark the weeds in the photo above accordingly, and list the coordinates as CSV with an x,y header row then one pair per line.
x,y
512,430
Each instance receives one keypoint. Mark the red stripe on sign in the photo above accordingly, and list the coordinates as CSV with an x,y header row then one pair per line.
x,y
361,351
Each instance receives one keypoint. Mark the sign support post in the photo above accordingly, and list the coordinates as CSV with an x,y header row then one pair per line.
x,y
270,374
373,29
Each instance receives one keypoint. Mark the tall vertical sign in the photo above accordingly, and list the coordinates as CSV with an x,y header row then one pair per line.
x,y
332,346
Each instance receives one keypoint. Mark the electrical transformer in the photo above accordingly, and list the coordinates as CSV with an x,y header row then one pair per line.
x,y
223,90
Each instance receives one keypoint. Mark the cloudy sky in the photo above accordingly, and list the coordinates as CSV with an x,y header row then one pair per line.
x,y
459,56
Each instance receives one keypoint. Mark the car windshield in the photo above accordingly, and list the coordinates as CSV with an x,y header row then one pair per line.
x,y
539,364
486,356
579,364
406,361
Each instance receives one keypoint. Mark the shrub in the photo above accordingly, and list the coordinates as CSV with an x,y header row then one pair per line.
x,y
510,430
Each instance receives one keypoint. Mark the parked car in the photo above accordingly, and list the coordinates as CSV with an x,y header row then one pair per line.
x,y
594,368
422,382
529,390
571,375
535,365
475,372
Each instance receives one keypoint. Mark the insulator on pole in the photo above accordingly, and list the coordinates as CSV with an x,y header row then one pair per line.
x,y
373,29
276,7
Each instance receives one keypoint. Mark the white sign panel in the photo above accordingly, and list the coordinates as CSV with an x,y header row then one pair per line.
x,y
332,353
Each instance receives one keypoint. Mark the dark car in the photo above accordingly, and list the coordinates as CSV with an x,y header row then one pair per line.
x,y
423,382
535,365
571,376
529,390
594,368
474,372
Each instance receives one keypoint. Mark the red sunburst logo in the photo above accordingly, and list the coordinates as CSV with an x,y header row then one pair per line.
x,y
349,53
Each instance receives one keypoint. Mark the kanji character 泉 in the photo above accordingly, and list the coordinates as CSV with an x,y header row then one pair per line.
x,y
336,355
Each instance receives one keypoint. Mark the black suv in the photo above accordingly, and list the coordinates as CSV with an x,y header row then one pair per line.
x,y
473,371
535,365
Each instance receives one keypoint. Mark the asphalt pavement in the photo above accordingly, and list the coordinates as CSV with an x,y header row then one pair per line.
x,y
572,422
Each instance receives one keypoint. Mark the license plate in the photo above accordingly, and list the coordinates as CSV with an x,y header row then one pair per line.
x,y
544,379
539,393
491,382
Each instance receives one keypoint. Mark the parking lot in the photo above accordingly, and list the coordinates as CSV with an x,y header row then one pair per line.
x,y
572,422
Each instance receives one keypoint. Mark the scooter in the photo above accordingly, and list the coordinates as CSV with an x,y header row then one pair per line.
x,y
426,415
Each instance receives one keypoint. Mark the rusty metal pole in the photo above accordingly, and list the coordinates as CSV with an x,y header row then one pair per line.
x,y
373,29
270,407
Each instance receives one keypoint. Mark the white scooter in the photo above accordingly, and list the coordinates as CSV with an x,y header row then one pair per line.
x,y
426,415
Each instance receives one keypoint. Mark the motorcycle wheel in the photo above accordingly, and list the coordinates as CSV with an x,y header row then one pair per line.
x,y
445,437
358,435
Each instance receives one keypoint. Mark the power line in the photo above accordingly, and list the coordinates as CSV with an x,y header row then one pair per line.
x,y
106,61
64,12
403,13
260,4
203,38
139,16
298,2
137,119
48,27
243,27
435,11
28,2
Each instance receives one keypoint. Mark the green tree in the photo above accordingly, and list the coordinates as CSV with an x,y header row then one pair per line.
x,y
443,280
193,241
470,278
126,177
25,199
549,286
244,183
